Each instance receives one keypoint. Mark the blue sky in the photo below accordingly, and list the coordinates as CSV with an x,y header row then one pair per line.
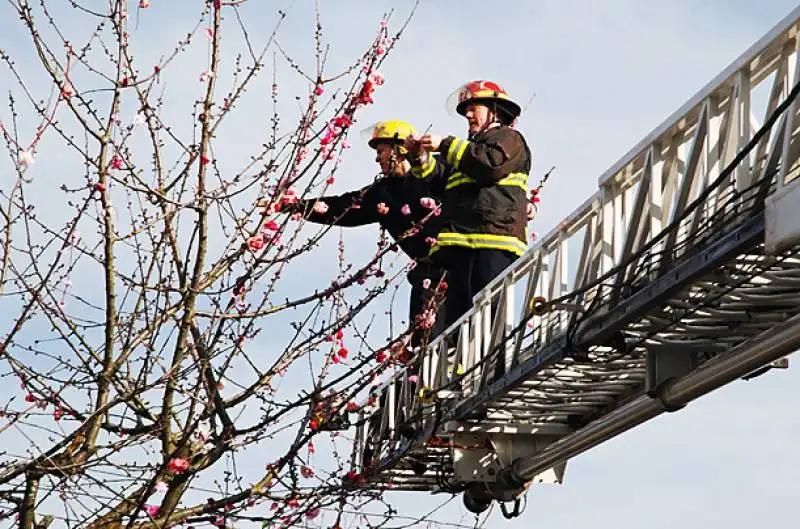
x,y
604,74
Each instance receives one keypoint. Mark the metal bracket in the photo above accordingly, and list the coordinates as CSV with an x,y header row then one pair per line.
x,y
480,457
666,362
782,217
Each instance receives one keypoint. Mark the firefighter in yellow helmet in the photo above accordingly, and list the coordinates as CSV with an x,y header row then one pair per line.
x,y
483,183
395,202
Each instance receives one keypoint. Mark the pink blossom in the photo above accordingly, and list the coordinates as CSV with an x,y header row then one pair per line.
x,y
26,158
116,162
342,122
413,379
430,241
319,91
206,75
161,486
426,319
151,510
377,78
383,209
427,202
255,243
178,465
405,210
320,207
209,33
313,513
307,472
67,90
289,197
426,283
330,135
144,4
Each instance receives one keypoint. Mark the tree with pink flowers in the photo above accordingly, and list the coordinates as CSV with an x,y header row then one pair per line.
x,y
162,360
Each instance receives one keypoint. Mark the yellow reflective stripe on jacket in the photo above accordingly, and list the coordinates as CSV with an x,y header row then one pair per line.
x,y
514,180
481,240
456,151
456,179
425,169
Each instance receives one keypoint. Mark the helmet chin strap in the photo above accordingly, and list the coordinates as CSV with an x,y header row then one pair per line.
x,y
394,162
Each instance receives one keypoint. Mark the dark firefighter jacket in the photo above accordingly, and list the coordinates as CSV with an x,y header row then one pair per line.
x,y
358,208
483,184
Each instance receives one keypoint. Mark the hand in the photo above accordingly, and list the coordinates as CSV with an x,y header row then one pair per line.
x,y
430,142
411,144
531,211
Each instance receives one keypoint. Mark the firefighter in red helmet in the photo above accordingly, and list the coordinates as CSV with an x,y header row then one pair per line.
x,y
483,182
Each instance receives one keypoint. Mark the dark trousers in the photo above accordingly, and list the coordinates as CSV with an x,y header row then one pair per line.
x,y
468,271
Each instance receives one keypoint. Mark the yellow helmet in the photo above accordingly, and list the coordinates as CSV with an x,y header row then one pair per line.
x,y
394,131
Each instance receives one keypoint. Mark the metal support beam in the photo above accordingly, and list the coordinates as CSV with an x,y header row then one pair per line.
x,y
667,362
768,347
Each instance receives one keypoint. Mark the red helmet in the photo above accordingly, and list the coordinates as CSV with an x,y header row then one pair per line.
x,y
482,92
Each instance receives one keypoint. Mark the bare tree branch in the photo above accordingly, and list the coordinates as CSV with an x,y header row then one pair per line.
x,y
165,328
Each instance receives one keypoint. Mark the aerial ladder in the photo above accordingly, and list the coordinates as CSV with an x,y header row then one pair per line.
x,y
687,280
